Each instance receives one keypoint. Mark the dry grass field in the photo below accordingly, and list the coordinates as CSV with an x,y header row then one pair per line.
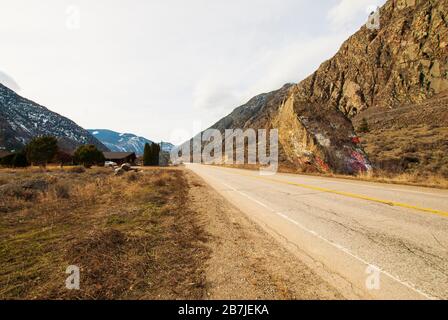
x,y
133,237
408,144
415,150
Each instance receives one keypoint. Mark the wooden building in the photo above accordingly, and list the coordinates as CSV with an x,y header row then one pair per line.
x,y
120,157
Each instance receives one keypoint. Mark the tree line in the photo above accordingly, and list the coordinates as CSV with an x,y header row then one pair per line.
x,y
44,149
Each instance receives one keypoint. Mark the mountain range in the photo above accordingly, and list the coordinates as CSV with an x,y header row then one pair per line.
x,y
22,119
125,142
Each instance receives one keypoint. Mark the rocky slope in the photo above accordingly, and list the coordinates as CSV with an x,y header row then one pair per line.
x,y
412,138
310,138
408,114
125,142
402,63
22,119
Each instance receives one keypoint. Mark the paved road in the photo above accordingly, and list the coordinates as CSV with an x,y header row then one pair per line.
x,y
370,240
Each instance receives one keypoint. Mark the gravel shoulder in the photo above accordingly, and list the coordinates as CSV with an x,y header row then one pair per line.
x,y
246,262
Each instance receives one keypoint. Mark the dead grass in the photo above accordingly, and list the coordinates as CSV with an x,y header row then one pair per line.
x,y
429,181
413,179
416,155
132,236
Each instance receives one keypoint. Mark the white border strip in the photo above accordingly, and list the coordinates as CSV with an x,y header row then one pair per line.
x,y
336,245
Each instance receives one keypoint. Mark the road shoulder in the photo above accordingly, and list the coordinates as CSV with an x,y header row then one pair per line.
x,y
245,261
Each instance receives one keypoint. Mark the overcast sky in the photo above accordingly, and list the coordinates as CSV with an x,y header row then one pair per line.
x,y
155,67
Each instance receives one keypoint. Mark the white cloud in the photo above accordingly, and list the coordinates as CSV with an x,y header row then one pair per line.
x,y
348,12
8,81
227,87
212,93
295,61
150,67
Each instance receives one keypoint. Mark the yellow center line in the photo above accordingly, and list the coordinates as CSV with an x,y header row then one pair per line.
x,y
351,195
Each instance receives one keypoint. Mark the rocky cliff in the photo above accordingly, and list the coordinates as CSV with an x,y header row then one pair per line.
x,y
404,62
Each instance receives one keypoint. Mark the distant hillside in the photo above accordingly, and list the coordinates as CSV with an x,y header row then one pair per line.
x,y
22,119
124,142
167,146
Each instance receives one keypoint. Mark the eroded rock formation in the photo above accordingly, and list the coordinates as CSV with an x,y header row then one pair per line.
x,y
403,62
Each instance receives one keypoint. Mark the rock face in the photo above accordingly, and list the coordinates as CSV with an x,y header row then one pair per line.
x,y
126,166
402,63
119,172
22,119
310,138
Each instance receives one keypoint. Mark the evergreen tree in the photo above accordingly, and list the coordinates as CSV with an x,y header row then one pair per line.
x,y
155,152
7,161
63,158
19,160
147,155
89,155
41,150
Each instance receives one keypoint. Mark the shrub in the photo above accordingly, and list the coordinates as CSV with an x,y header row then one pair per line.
x,y
63,158
20,161
62,190
132,177
25,190
88,156
15,160
41,150
364,126
77,170
160,182
7,161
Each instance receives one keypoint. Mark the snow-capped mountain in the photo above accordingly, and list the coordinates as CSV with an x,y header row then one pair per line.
x,y
22,119
120,142
166,146
124,142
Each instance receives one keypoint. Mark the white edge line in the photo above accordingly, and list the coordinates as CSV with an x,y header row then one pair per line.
x,y
336,245
357,183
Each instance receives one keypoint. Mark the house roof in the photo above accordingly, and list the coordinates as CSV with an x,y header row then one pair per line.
x,y
4,153
117,155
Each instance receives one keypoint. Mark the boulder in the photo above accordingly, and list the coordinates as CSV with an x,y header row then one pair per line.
x,y
110,164
119,172
126,167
